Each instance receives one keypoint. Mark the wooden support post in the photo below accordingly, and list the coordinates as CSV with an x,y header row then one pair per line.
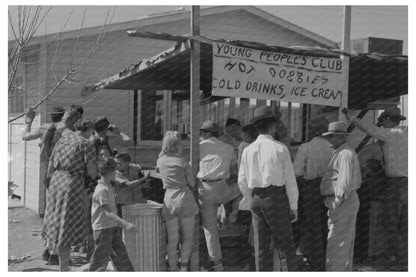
x,y
244,110
220,113
195,124
289,123
167,113
231,108
346,48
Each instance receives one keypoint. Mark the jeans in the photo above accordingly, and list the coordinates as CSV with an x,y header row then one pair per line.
x,y
313,224
109,244
396,216
271,220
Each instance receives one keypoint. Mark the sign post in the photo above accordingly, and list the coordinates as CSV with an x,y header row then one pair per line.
x,y
195,124
346,48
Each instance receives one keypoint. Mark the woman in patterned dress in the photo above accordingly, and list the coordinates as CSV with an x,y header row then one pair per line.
x,y
64,223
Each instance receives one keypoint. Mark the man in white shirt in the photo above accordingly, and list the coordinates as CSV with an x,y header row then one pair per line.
x,y
395,150
311,163
339,186
267,182
216,158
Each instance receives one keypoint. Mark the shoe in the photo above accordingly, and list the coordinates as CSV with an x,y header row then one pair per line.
x,y
53,260
45,255
218,267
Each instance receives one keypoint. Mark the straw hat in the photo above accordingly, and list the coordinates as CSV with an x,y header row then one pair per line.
x,y
337,128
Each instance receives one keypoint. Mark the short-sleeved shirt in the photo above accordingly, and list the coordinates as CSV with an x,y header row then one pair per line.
x,y
124,193
103,195
176,175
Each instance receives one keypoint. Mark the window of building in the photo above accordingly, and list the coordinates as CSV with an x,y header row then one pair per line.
x,y
162,111
17,96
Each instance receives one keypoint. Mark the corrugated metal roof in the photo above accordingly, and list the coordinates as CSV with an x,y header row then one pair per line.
x,y
372,76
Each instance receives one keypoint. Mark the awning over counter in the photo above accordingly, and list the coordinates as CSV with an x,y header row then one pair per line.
x,y
371,76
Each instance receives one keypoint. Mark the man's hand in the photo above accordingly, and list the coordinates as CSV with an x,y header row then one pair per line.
x,y
114,129
147,174
338,201
345,112
30,115
130,227
293,215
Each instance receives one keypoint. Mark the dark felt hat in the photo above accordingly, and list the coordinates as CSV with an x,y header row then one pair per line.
x,y
262,113
392,112
232,121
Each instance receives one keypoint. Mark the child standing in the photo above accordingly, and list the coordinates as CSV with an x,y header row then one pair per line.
x,y
129,180
179,205
105,223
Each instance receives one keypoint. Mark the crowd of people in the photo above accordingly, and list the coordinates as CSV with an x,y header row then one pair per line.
x,y
241,168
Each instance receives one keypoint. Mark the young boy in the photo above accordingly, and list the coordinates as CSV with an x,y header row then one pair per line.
x,y
129,180
106,224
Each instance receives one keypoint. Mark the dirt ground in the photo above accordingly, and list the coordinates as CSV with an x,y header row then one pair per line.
x,y
24,243
24,239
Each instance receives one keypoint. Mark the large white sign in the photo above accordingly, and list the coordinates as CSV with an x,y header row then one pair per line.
x,y
249,73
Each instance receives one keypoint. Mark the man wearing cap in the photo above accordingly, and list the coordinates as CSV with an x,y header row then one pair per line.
x,y
311,162
339,187
267,181
44,132
216,158
395,150
100,138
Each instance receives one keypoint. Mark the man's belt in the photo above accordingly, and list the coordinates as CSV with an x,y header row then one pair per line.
x,y
211,181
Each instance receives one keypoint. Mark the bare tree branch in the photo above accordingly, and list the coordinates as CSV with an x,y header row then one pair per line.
x,y
68,77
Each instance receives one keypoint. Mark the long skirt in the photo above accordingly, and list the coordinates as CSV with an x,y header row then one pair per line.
x,y
65,221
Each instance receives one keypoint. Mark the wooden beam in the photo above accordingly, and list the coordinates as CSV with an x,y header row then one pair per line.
x,y
244,110
195,124
346,39
289,123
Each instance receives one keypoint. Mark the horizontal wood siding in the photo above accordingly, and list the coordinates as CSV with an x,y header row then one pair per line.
x,y
32,171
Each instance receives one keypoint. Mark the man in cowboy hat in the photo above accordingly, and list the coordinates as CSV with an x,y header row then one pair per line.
x,y
267,182
216,158
311,162
339,186
395,151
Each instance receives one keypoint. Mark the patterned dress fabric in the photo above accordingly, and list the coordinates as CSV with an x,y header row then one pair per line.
x,y
65,217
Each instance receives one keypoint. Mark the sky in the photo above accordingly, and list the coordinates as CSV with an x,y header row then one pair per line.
x,y
379,21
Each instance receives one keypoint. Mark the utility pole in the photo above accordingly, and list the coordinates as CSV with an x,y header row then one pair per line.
x,y
195,124
346,37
